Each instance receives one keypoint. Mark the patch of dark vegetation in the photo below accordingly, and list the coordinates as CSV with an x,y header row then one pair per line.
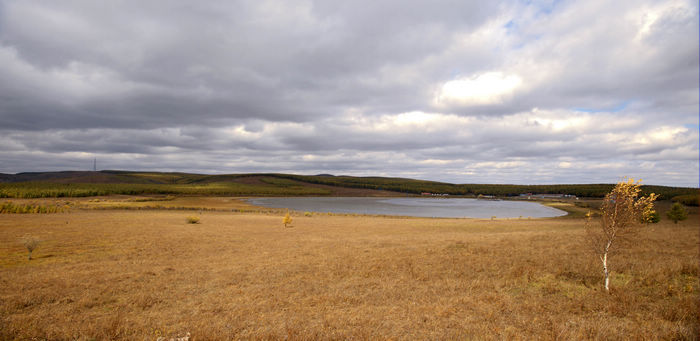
x,y
12,208
421,186
688,199
80,184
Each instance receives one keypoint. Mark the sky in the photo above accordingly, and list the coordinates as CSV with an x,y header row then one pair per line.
x,y
522,92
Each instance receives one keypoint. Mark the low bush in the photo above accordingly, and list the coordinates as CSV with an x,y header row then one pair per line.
x,y
11,208
677,213
688,200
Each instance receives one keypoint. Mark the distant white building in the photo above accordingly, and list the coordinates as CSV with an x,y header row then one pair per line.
x,y
548,196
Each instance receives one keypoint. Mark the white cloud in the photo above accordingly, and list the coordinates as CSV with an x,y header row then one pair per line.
x,y
483,89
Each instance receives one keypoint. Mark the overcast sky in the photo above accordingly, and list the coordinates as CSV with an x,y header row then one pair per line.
x,y
526,92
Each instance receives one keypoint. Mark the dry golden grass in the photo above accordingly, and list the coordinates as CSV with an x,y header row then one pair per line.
x,y
118,274
142,202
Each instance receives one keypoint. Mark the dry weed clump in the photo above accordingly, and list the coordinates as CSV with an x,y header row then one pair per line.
x,y
125,275
30,243
192,220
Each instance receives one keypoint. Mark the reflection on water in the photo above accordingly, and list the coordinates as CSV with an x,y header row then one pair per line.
x,y
416,207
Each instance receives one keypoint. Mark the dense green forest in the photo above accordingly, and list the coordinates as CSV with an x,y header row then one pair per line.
x,y
78,184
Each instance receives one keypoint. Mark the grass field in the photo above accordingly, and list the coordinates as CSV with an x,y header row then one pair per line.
x,y
59,190
142,274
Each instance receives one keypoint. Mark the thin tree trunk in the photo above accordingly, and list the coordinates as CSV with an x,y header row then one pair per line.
x,y
607,274
604,259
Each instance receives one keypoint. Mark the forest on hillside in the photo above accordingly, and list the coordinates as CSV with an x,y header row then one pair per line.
x,y
75,184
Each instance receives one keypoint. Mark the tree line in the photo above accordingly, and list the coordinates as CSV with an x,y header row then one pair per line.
x,y
421,186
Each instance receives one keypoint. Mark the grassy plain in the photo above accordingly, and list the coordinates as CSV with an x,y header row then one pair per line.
x,y
141,274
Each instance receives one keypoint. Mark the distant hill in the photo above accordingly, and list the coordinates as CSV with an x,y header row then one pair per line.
x,y
504,190
63,177
282,184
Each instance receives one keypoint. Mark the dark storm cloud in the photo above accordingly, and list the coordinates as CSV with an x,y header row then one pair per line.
x,y
169,64
449,90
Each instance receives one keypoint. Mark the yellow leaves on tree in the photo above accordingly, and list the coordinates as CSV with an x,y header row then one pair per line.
x,y
621,210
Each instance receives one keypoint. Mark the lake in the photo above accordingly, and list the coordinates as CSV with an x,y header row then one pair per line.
x,y
415,207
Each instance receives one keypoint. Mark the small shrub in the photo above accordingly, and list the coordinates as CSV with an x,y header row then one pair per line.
x,y
287,219
677,213
653,218
193,220
307,214
30,243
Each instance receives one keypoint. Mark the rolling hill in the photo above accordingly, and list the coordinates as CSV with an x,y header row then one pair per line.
x,y
85,183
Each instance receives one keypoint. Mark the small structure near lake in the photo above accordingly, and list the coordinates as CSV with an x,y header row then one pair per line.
x,y
548,196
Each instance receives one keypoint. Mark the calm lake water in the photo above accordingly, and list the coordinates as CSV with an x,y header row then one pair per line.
x,y
415,207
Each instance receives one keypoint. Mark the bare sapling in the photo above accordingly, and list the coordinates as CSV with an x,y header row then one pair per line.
x,y
622,212
30,243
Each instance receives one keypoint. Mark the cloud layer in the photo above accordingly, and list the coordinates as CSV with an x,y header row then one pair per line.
x,y
465,92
